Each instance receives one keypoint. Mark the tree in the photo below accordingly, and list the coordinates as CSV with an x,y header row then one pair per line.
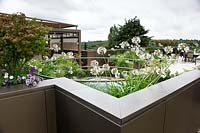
x,y
131,28
20,40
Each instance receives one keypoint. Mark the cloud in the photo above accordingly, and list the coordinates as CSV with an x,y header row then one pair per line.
x,y
164,19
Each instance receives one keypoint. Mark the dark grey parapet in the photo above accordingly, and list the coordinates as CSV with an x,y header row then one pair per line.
x,y
172,106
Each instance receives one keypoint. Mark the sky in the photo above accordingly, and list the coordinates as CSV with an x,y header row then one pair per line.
x,y
165,19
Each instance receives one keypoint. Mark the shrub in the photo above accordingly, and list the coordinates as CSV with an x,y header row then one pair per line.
x,y
20,40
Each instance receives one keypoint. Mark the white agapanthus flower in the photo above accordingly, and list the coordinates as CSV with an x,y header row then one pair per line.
x,y
113,49
101,50
125,74
96,70
55,47
183,47
114,71
160,45
46,58
106,67
136,40
186,49
70,54
94,63
116,46
138,50
63,54
161,72
158,53
70,71
53,58
117,75
124,45
145,56
168,49
135,72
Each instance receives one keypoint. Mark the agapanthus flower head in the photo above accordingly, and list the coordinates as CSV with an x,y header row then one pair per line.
x,y
113,49
125,74
145,56
63,54
168,49
94,63
70,55
124,45
55,47
96,70
70,70
162,72
117,75
101,50
135,72
158,53
114,71
106,67
160,45
46,58
136,40
137,49
183,47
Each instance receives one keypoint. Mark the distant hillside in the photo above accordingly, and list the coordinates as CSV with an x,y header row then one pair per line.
x,y
164,42
94,44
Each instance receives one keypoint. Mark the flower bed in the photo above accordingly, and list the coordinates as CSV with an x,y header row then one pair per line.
x,y
122,78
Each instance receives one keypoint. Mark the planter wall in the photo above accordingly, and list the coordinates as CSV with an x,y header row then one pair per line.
x,y
65,106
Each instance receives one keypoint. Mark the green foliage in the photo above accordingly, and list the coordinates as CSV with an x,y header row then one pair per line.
x,y
60,67
167,42
127,59
126,32
20,40
94,44
131,84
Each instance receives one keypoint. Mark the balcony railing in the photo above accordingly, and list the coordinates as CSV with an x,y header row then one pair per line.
x,y
64,106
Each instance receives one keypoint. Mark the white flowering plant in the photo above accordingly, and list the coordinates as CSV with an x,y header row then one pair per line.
x,y
183,47
64,65
126,45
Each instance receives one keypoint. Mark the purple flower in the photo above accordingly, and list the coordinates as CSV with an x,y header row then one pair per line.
x,y
8,83
28,82
29,75
32,70
32,78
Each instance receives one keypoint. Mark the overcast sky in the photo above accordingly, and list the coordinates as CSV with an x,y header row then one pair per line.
x,y
172,19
